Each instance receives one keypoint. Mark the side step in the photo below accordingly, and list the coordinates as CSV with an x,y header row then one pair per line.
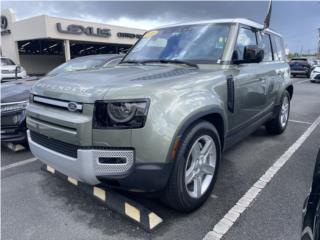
x,y
136,212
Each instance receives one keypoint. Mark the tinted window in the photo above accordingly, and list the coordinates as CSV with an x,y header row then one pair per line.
x,y
265,44
278,49
245,37
6,62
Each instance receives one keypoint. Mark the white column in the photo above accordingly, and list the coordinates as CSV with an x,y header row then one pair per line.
x,y
67,53
9,47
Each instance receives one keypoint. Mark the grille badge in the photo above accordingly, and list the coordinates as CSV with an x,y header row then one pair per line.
x,y
72,106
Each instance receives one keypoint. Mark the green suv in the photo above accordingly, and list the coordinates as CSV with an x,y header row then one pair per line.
x,y
160,120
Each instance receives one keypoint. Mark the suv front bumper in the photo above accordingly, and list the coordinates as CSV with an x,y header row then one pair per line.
x,y
149,177
89,163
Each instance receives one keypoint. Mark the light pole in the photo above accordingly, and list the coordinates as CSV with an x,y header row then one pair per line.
x,y
318,43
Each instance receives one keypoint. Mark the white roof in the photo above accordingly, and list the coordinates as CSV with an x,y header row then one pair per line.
x,y
243,21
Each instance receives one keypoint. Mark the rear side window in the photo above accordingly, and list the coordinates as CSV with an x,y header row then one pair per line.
x,y
278,48
265,44
245,38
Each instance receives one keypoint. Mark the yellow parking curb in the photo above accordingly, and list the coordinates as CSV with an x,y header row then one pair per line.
x,y
134,211
73,181
99,193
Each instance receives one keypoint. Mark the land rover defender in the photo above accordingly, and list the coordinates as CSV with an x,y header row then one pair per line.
x,y
160,120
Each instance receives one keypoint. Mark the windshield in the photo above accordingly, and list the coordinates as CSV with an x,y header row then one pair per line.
x,y
6,62
78,64
194,43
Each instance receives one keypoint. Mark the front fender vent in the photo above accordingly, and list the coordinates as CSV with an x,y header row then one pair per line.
x,y
230,92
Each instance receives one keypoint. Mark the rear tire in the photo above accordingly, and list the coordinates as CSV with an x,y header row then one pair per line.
x,y
192,166
280,122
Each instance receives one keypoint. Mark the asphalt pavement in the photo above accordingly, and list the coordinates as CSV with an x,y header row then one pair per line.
x,y
35,205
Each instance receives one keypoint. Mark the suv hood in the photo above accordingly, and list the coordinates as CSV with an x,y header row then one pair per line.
x,y
89,86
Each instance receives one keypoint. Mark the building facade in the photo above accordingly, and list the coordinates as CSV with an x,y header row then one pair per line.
x,y
43,42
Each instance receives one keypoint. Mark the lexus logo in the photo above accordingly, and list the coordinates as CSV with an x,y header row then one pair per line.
x,y
4,22
4,26
72,106
79,29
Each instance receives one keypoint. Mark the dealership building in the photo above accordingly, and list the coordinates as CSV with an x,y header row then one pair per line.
x,y
43,42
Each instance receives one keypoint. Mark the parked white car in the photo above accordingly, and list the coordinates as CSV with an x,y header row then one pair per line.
x,y
315,74
9,68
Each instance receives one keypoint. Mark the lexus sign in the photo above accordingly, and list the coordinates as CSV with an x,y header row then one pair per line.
x,y
79,29
4,26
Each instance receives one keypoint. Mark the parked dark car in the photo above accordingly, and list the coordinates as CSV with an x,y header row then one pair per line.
x,y
15,95
14,100
300,66
311,208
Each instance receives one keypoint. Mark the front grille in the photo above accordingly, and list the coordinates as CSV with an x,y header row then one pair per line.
x,y
55,145
62,104
66,148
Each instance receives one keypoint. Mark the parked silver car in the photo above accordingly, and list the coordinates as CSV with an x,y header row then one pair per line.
x,y
10,71
160,120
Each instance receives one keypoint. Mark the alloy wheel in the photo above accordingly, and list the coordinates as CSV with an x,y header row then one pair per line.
x,y
200,167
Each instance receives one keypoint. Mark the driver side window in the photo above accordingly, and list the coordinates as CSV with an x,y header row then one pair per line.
x,y
245,38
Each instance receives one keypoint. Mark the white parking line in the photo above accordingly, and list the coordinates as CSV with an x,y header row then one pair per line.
x,y
17,164
297,121
303,81
223,226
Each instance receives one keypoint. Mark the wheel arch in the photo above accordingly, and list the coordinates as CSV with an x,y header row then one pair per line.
x,y
290,90
215,116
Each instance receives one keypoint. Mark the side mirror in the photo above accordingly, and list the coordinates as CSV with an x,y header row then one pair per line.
x,y
251,54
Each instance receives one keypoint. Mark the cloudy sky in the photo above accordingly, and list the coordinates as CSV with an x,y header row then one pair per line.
x,y
297,21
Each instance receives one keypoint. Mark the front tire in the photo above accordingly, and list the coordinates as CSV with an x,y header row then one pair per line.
x,y
196,167
280,122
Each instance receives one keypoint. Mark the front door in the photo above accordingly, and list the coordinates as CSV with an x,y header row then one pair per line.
x,y
250,84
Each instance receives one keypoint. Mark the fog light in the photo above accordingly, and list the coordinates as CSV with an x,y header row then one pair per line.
x,y
114,160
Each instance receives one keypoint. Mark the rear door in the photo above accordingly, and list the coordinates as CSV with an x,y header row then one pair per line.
x,y
281,66
270,66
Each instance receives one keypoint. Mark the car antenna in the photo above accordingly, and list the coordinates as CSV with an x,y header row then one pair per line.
x,y
268,17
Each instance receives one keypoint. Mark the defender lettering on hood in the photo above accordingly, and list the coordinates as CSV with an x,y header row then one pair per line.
x,y
57,87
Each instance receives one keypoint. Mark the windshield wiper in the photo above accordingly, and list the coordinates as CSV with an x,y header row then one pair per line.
x,y
174,61
131,61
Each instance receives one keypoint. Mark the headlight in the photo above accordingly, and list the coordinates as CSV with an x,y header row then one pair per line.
x,y
120,114
13,107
